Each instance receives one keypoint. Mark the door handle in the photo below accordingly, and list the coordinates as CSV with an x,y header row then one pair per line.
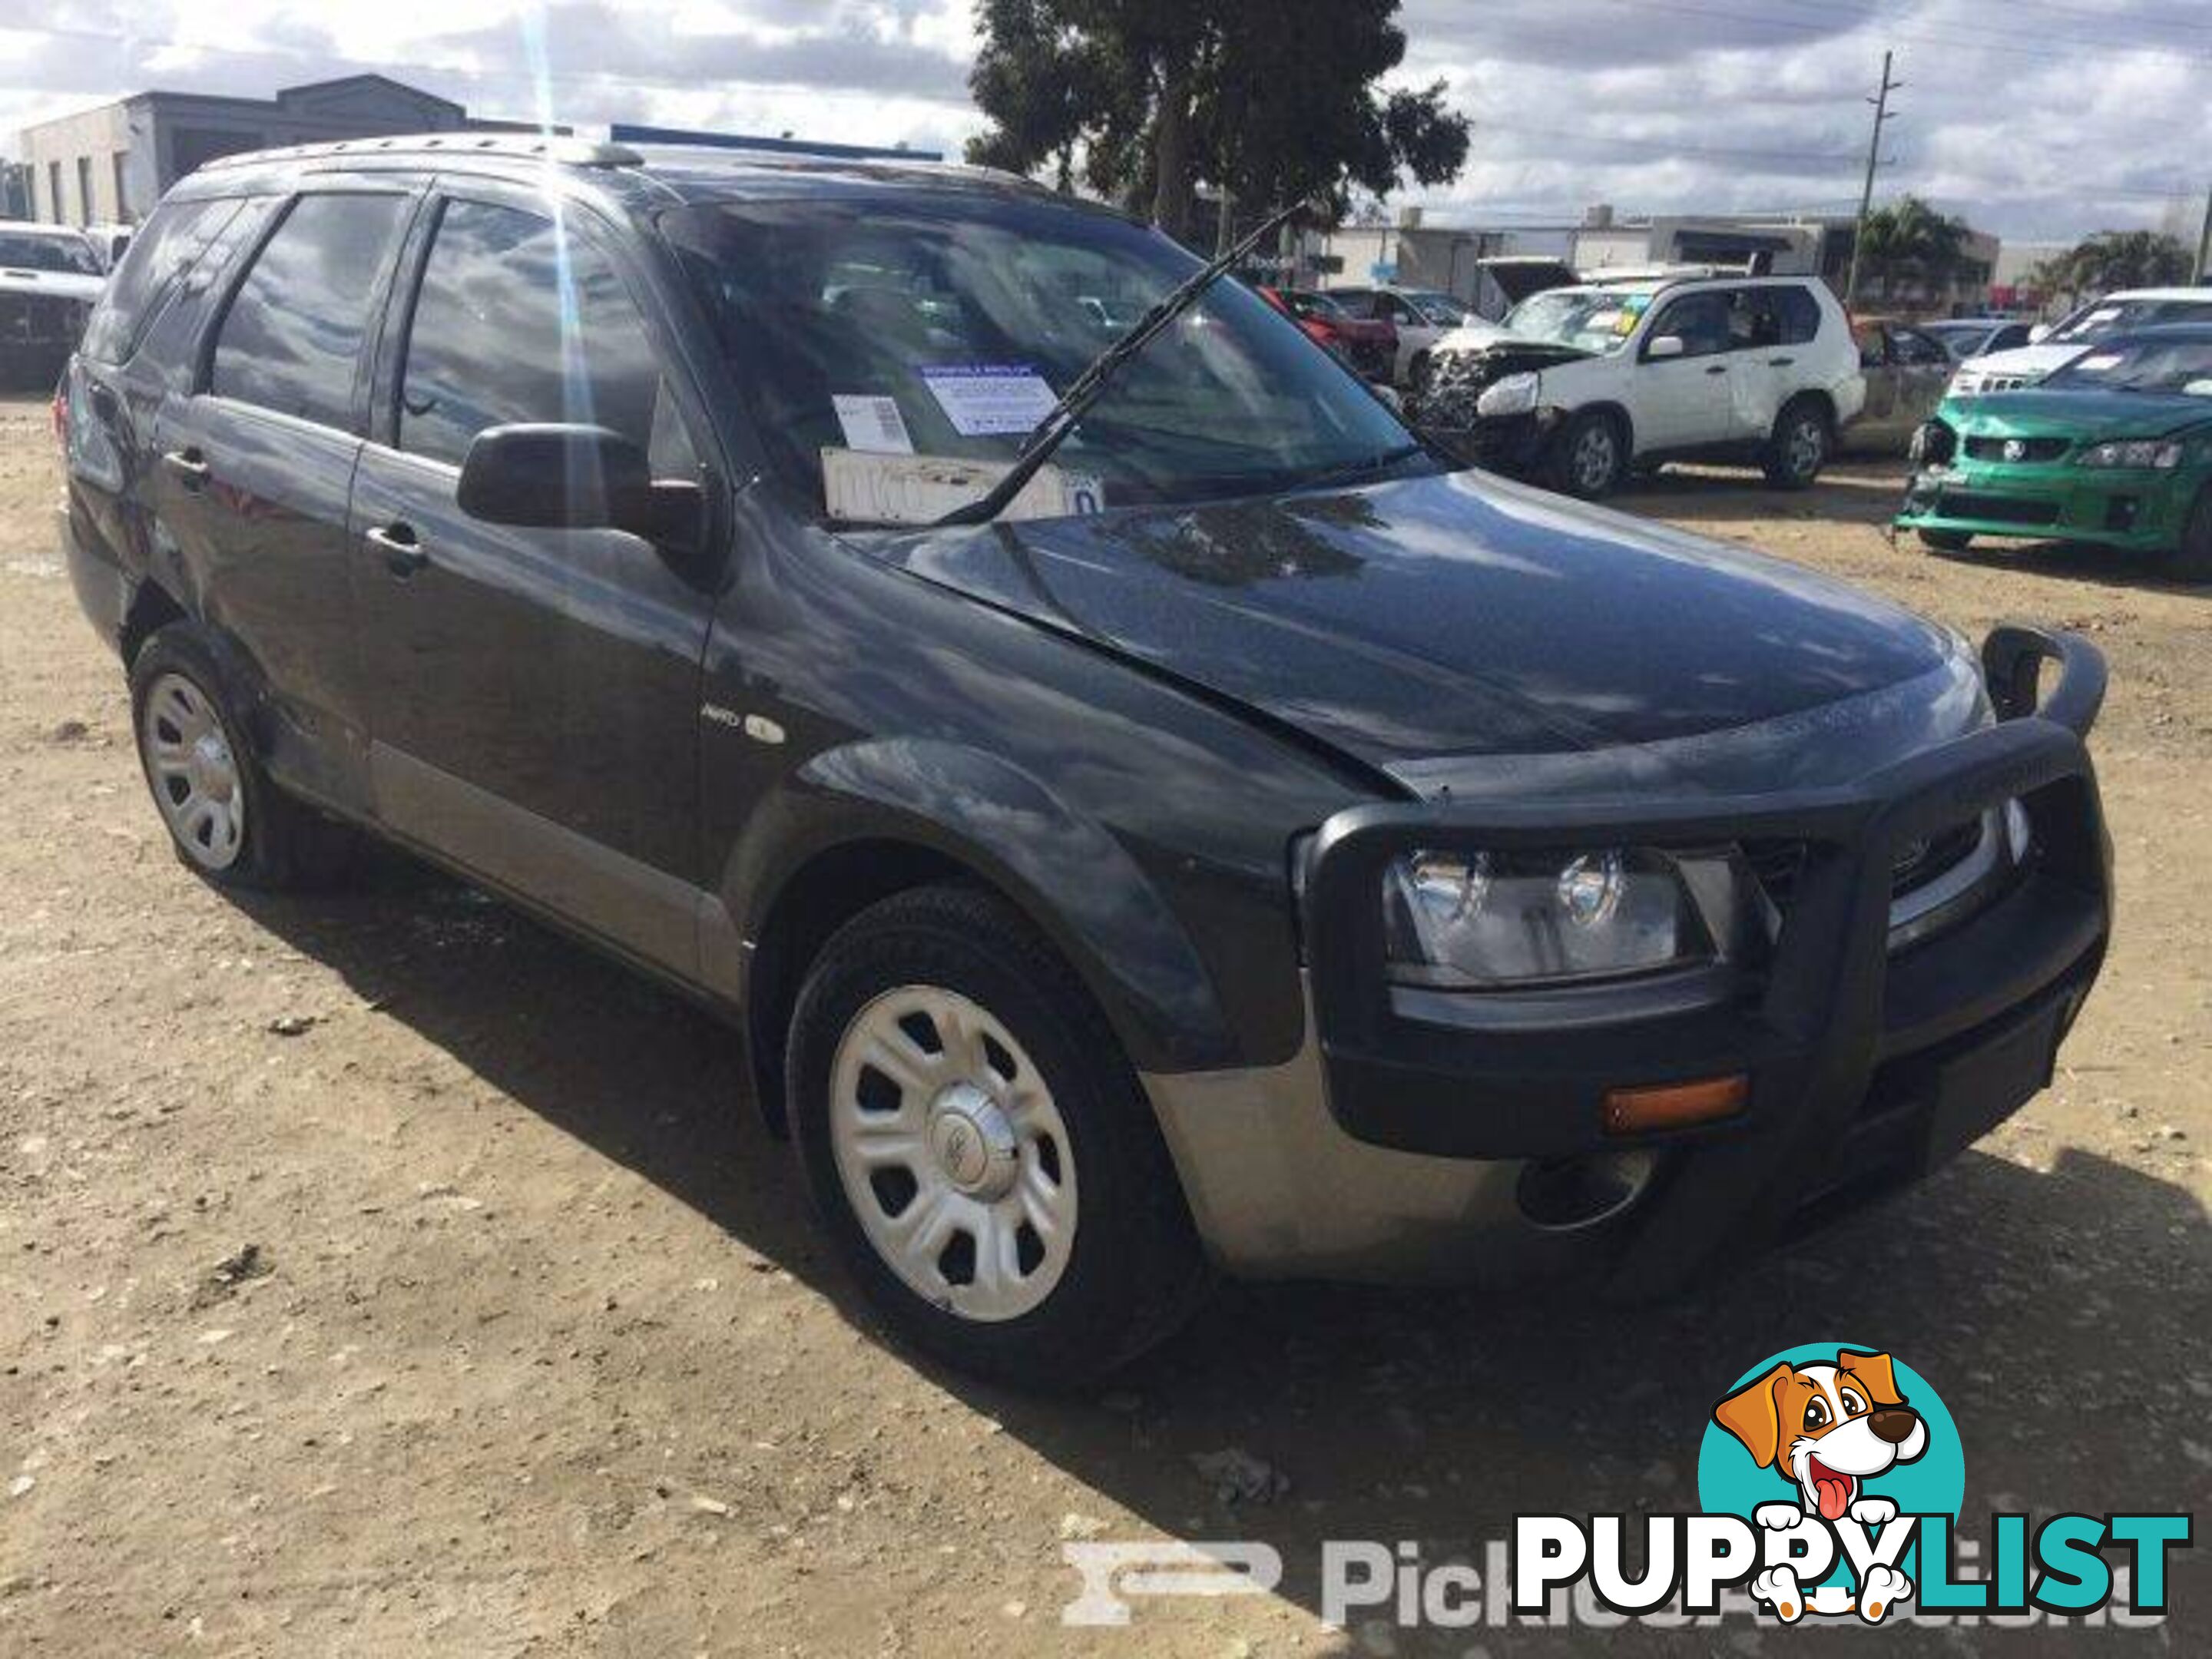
x,y
190,467
403,554
1717,368
1780,362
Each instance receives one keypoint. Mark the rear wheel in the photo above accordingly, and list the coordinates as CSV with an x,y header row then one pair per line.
x,y
980,1149
1799,447
2191,561
226,820
1590,457
1946,541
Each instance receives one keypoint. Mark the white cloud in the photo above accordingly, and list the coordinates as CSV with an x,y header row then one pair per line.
x,y
2034,117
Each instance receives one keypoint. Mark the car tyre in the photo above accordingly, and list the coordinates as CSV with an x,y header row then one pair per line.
x,y
1591,458
229,822
1799,446
2190,561
1946,541
979,1148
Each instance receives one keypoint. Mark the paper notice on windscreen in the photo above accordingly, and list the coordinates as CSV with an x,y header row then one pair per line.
x,y
872,424
985,400
877,489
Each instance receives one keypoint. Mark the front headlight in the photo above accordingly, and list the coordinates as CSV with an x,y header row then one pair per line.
x,y
1488,920
2153,453
1514,395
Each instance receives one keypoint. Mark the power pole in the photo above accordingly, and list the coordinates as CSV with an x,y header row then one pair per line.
x,y
2203,245
1881,118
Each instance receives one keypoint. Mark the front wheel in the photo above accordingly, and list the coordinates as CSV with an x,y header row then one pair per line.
x,y
979,1147
2191,561
1799,447
1591,457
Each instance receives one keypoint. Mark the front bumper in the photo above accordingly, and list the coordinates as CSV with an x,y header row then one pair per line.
x,y
2138,509
1404,1142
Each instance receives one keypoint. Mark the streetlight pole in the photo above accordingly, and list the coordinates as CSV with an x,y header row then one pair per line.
x,y
1881,117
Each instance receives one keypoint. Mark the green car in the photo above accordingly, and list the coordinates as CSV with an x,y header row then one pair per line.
x,y
2115,450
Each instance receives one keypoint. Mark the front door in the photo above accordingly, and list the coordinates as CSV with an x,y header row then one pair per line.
x,y
1683,401
538,709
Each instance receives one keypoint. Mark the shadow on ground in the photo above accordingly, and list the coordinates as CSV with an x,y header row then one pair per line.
x,y
2062,1313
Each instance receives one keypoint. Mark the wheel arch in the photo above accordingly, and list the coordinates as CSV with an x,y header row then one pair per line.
x,y
152,608
1820,398
860,823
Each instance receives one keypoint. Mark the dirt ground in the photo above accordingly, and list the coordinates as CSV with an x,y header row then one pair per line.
x,y
381,1274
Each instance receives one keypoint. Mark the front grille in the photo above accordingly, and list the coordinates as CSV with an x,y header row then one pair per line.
x,y
39,319
1780,866
2018,450
1921,862
1995,509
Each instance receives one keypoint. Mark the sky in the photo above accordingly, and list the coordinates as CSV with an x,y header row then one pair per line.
x,y
2038,120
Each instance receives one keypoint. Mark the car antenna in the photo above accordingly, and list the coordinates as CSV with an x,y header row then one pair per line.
x,y
1047,435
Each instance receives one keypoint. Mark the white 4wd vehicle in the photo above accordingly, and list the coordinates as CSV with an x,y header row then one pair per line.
x,y
1597,381
2073,334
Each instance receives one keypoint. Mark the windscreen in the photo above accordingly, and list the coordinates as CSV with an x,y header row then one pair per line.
x,y
2179,366
945,324
21,252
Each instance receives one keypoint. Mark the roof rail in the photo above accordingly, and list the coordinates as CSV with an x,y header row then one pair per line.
x,y
556,147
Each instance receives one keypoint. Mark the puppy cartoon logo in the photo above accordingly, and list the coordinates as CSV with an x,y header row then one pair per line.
x,y
1832,1451
1828,1430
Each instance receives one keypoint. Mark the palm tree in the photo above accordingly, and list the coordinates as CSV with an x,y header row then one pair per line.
x,y
1908,237
2113,260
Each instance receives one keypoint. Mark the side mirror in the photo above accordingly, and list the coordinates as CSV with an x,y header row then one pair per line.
x,y
1667,345
2038,334
573,477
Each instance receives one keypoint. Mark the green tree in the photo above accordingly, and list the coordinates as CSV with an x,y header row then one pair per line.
x,y
1909,238
1268,100
2114,259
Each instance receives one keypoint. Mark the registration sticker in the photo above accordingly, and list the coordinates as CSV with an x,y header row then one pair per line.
x,y
872,424
878,488
986,400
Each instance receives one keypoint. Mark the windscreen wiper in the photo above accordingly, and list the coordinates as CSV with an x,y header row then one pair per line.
x,y
1048,434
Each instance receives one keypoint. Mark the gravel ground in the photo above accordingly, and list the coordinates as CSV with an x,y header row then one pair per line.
x,y
380,1273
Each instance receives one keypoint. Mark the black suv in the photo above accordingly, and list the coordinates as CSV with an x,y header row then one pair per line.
x,y
1258,847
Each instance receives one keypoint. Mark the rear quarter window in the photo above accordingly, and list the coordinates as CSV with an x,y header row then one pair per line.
x,y
159,257
1798,314
291,338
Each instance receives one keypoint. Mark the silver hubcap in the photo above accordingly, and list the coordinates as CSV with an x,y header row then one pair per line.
x,y
1594,458
195,774
1806,444
951,1153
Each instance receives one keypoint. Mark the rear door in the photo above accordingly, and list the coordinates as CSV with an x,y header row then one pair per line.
x,y
255,467
537,712
1772,331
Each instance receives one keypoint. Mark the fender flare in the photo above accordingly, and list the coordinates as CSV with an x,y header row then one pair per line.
x,y
976,813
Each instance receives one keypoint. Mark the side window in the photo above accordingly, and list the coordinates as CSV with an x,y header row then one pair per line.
x,y
1797,315
292,335
172,241
1919,349
517,321
1700,319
